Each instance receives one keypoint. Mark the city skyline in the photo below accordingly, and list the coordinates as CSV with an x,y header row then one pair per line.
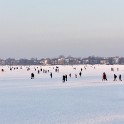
x,y
45,28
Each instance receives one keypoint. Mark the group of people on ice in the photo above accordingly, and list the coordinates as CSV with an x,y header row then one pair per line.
x,y
65,77
104,78
115,77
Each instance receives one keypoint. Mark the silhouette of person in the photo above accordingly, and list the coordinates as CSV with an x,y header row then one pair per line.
x,y
51,75
70,75
66,77
104,77
63,78
75,75
80,74
115,77
120,78
32,75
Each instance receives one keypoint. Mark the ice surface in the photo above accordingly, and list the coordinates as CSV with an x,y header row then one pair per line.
x,y
42,100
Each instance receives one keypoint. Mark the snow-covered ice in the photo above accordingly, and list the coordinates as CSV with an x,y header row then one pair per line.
x,y
42,100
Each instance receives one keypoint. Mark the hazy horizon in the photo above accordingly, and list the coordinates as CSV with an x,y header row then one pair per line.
x,y
45,28
38,58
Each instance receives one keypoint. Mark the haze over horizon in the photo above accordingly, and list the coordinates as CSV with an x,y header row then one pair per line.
x,y
49,28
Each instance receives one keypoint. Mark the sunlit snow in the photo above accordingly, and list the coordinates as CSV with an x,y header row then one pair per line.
x,y
42,100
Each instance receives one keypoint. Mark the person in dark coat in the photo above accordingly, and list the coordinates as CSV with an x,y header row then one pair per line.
x,y
32,75
115,77
104,78
80,74
75,75
51,75
66,77
120,78
63,78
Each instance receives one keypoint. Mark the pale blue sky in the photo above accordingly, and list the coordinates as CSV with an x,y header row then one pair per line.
x,y
49,28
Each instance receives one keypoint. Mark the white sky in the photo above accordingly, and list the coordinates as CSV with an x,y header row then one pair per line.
x,y
49,28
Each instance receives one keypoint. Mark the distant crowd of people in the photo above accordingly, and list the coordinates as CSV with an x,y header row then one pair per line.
x,y
65,76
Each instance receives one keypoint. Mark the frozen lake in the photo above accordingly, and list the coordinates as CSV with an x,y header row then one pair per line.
x,y
42,100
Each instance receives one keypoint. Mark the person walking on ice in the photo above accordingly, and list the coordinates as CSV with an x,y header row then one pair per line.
x,y
63,78
51,75
115,77
104,78
32,75
120,78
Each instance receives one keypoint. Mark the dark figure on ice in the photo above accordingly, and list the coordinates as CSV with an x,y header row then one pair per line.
x,y
63,78
112,69
81,69
75,75
120,78
55,70
70,75
32,75
115,77
51,75
104,77
38,72
80,74
66,77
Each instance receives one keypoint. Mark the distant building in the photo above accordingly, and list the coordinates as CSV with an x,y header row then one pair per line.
x,y
2,62
47,61
115,60
104,61
10,61
61,61
85,61
54,61
66,61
